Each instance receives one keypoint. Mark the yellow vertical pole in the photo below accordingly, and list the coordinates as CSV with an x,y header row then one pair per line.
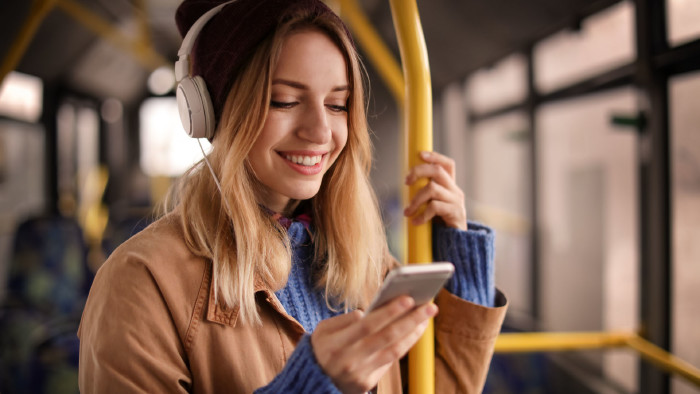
x,y
418,119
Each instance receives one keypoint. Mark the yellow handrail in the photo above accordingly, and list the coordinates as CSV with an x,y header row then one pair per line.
x,y
561,341
377,52
139,48
664,360
38,11
557,341
418,119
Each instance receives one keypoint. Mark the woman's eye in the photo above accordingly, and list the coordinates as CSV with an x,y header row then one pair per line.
x,y
338,108
282,104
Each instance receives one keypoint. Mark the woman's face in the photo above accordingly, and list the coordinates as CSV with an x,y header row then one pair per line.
x,y
307,124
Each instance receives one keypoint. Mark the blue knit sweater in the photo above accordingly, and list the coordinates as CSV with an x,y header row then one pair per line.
x,y
470,251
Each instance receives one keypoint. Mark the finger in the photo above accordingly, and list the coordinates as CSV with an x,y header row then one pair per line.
x,y
332,334
350,330
352,335
341,321
432,191
431,171
443,161
397,350
386,314
348,365
378,363
337,353
452,215
392,342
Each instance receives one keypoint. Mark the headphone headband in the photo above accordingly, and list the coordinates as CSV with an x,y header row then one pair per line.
x,y
182,65
193,99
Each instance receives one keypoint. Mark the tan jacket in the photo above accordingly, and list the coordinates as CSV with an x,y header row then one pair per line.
x,y
150,325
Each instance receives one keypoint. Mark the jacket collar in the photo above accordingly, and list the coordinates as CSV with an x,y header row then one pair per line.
x,y
228,316
218,313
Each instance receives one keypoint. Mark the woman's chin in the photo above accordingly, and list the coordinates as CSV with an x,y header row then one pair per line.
x,y
304,194
301,192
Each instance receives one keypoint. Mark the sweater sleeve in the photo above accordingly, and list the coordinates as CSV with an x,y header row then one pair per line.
x,y
472,253
301,374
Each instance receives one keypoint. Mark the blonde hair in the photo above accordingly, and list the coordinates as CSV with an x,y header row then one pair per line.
x,y
249,248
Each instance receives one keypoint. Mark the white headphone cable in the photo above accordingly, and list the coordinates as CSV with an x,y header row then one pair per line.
x,y
216,180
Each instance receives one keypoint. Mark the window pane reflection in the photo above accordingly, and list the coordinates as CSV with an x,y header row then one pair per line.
x,y
21,96
605,41
166,150
587,176
501,199
685,285
501,85
683,21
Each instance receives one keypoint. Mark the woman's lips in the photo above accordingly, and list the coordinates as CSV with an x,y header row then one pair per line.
x,y
304,162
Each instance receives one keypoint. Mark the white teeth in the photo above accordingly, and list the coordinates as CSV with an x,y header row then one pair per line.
x,y
304,160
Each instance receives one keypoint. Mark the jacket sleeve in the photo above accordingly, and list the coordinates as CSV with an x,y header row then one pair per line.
x,y
465,335
122,349
471,309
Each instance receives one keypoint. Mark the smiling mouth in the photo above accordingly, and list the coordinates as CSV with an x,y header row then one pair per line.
x,y
303,160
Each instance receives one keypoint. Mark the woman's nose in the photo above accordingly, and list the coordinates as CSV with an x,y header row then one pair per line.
x,y
315,126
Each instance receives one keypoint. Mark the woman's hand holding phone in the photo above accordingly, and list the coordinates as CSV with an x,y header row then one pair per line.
x,y
355,350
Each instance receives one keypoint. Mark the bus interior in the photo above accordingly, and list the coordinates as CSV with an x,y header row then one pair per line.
x,y
571,123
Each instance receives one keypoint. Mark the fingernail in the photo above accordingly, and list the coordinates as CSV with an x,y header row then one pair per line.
x,y
407,302
425,154
431,310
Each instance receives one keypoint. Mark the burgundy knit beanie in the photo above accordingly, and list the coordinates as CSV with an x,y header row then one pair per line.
x,y
228,40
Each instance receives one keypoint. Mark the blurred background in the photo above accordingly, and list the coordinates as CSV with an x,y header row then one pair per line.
x,y
575,126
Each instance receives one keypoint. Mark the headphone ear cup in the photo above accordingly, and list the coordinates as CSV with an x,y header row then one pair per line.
x,y
195,107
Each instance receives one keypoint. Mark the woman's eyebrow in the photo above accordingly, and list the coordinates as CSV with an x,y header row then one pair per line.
x,y
301,86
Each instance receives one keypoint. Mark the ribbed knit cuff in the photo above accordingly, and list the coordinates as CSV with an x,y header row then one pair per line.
x,y
301,374
471,252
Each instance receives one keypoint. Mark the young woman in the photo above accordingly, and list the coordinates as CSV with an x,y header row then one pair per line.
x,y
258,284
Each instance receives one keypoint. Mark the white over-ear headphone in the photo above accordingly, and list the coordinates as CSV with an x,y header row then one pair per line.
x,y
193,101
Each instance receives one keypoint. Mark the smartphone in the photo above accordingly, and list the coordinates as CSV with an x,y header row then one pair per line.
x,y
420,281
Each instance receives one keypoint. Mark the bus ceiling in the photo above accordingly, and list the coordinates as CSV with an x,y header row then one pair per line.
x,y
108,48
